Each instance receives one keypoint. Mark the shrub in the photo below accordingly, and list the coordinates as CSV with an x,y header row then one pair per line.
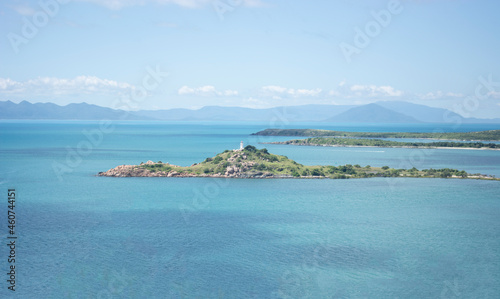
x,y
251,148
260,166
316,172
331,169
273,159
217,159
385,167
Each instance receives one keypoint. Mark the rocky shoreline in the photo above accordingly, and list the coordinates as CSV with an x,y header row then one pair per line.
x,y
253,163
231,172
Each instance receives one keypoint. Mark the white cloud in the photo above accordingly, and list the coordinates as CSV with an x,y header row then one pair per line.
x,y
118,4
49,86
431,95
334,93
185,90
273,88
207,90
375,91
24,10
230,93
308,92
454,95
439,95
494,94
277,92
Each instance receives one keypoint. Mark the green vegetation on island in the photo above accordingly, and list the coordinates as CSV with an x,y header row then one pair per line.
x,y
259,163
346,142
493,135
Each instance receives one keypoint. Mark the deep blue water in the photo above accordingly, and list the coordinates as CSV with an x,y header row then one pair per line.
x,y
82,236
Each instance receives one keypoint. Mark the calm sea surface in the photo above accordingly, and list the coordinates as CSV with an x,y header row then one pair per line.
x,y
82,236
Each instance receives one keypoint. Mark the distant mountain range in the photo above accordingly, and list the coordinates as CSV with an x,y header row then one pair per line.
x,y
372,113
380,112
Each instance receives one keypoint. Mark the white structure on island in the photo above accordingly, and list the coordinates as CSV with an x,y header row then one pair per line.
x,y
240,149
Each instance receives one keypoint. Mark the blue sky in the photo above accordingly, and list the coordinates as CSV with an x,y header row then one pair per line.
x,y
252,53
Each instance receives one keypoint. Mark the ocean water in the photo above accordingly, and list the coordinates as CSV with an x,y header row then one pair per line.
x,y
82,236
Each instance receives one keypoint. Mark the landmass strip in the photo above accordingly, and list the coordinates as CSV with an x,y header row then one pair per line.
x,y
355,142
250,162
492,135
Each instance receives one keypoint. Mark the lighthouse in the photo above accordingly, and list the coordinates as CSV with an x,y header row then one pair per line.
x,y
241,146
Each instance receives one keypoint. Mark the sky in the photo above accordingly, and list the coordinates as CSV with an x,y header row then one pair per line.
x,y
163,54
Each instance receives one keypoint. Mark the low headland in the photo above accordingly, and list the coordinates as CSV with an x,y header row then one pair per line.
x,y
356,142
492,135
254,163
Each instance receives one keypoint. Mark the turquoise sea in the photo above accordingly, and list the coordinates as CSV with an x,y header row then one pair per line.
x,y
82,236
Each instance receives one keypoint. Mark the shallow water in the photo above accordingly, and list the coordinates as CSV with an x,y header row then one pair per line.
x,y
84,236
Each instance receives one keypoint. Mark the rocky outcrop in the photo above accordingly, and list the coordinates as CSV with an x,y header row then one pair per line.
x,y
231,172
252,163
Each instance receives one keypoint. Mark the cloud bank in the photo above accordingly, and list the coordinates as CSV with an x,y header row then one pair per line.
x,y
49,86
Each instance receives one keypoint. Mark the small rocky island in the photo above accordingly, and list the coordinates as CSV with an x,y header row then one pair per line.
x,y
250,162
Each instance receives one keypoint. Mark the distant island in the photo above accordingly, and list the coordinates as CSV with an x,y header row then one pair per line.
x,y
492,135
354,142
250,162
